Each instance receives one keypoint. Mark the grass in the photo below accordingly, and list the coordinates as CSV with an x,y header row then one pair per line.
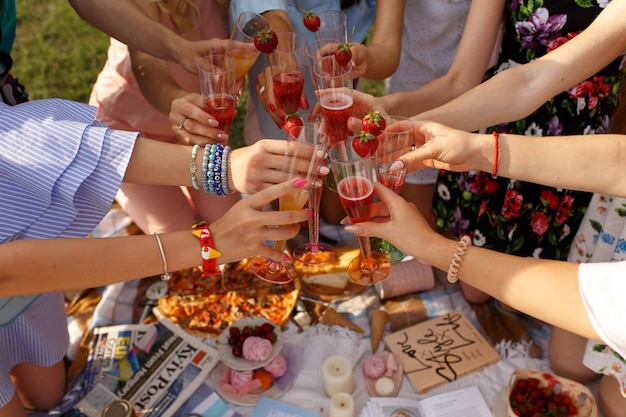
x,y
57,54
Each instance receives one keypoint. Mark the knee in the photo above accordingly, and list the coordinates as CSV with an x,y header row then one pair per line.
x,y
565,354
474,295
610,399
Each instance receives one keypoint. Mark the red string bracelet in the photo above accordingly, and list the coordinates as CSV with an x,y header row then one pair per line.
x,y
496,136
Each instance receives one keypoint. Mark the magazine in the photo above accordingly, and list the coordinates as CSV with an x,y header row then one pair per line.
x,y
269,407
161,369
441,350
463,402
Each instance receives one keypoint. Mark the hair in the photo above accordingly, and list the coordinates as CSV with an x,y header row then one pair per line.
x,y
178,12
349,3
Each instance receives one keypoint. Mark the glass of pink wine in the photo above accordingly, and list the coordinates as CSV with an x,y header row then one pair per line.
x,y
394,141
287,66
306,153
218,87
314,251
241,42
354,176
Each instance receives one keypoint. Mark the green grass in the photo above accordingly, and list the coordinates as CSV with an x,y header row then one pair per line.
x,y
57,54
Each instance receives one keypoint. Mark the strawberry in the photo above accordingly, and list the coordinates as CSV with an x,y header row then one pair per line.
x,y
365,144
311,21
266,40
343,55
373,123
293,121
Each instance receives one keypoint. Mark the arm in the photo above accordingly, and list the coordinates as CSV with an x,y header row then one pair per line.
x,y
525,157
125,21
534,83
240,233
545,289
467,69
381,56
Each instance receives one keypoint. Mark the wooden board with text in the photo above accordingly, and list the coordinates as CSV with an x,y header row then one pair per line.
x,y
441,350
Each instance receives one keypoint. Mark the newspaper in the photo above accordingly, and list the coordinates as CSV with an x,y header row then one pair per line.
x,y
162,366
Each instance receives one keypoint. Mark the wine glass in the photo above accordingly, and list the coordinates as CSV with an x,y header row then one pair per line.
x,y
354,176
314,252
241,42
316,49
218,87
287,66
394,141
333,25
305,154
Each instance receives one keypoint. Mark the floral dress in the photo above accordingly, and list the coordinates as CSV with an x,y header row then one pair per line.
x,y
514,216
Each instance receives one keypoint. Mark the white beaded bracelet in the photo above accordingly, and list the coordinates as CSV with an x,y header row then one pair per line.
x,y
458,256
166,274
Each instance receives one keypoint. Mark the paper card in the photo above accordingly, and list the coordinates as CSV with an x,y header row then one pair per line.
x,y
441,350
268,407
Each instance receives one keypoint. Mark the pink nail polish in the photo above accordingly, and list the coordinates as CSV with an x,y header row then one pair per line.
x,y
287,258
272,108
310,213
299,183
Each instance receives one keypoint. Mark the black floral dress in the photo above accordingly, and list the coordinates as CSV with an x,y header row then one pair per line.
x,y
518,217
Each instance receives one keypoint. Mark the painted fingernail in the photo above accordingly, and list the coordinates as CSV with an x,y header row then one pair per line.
x,y
344,221
397,165
309,213
287,258
299,183
353,228
272,108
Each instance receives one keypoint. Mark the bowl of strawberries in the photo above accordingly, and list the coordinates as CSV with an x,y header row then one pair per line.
x,y
540,394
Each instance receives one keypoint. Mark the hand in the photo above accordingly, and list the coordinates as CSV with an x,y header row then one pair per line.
x,y
359,59
442,147
192,124
243,230
255,167
362,103
188,52
270,104
397,221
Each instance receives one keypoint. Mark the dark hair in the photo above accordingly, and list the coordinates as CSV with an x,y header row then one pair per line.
x,y
349,3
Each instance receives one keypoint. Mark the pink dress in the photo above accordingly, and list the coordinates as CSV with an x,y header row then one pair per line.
x,y
121,105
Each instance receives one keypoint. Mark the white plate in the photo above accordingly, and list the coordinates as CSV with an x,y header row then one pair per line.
x,y
500,407
252,398
225,353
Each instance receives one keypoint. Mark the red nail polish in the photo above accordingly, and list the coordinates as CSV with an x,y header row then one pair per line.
x,y
272,108
287,258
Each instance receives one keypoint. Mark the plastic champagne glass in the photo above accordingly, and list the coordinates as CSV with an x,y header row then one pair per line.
x,y
287,66
218,87
354,176
394,141
241,42
305,154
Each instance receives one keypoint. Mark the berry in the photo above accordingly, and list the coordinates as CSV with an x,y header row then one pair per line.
x,y
343,55
266,40
311,21
365,144
374,123
292,121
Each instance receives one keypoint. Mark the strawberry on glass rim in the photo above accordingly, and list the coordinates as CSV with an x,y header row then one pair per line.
x,y
311,21
266,40
293,121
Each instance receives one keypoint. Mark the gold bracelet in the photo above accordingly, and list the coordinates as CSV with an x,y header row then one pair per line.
x,y
456,259
166,275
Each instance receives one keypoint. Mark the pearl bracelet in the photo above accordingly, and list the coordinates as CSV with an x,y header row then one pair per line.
x,y
193,167
457,258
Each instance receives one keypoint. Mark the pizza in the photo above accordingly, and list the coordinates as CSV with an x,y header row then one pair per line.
x,y
208,305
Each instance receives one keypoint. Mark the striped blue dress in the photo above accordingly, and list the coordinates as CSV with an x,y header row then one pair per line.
x,y
59,173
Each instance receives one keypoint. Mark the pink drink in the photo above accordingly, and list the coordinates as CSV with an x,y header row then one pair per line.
x,y
337,107
222,107
393,180
357,196
288,89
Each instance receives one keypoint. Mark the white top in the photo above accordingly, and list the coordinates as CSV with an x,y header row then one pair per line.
x,y
603,289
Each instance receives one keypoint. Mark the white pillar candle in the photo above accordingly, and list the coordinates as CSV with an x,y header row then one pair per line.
x,y
337,373
341,405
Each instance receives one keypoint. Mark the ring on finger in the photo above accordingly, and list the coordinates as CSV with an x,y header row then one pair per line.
x,y
182,124
262,91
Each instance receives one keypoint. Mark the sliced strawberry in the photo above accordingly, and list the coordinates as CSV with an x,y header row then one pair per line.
x,y
311,21
343,55
266,40
373,123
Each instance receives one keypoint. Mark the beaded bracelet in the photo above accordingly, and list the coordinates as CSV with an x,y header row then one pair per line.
x,y
166,276
456,259
193,167
496,136
224,173
211,161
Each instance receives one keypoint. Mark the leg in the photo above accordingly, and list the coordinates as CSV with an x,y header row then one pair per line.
x,y
422,196
331,209
565,353
13,408
610,400
38,387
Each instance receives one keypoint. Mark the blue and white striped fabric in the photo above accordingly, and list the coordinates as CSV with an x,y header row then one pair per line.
x,y
59,173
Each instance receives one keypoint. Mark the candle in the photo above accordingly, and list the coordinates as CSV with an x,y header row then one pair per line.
x,y
337,373
341,405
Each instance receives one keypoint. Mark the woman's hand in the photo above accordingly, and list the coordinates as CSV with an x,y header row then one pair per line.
x,y
192,124
255,167
397,221
243,230
189,52
362,103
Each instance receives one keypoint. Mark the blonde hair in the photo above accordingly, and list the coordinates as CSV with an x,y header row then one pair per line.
x,y
178,11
